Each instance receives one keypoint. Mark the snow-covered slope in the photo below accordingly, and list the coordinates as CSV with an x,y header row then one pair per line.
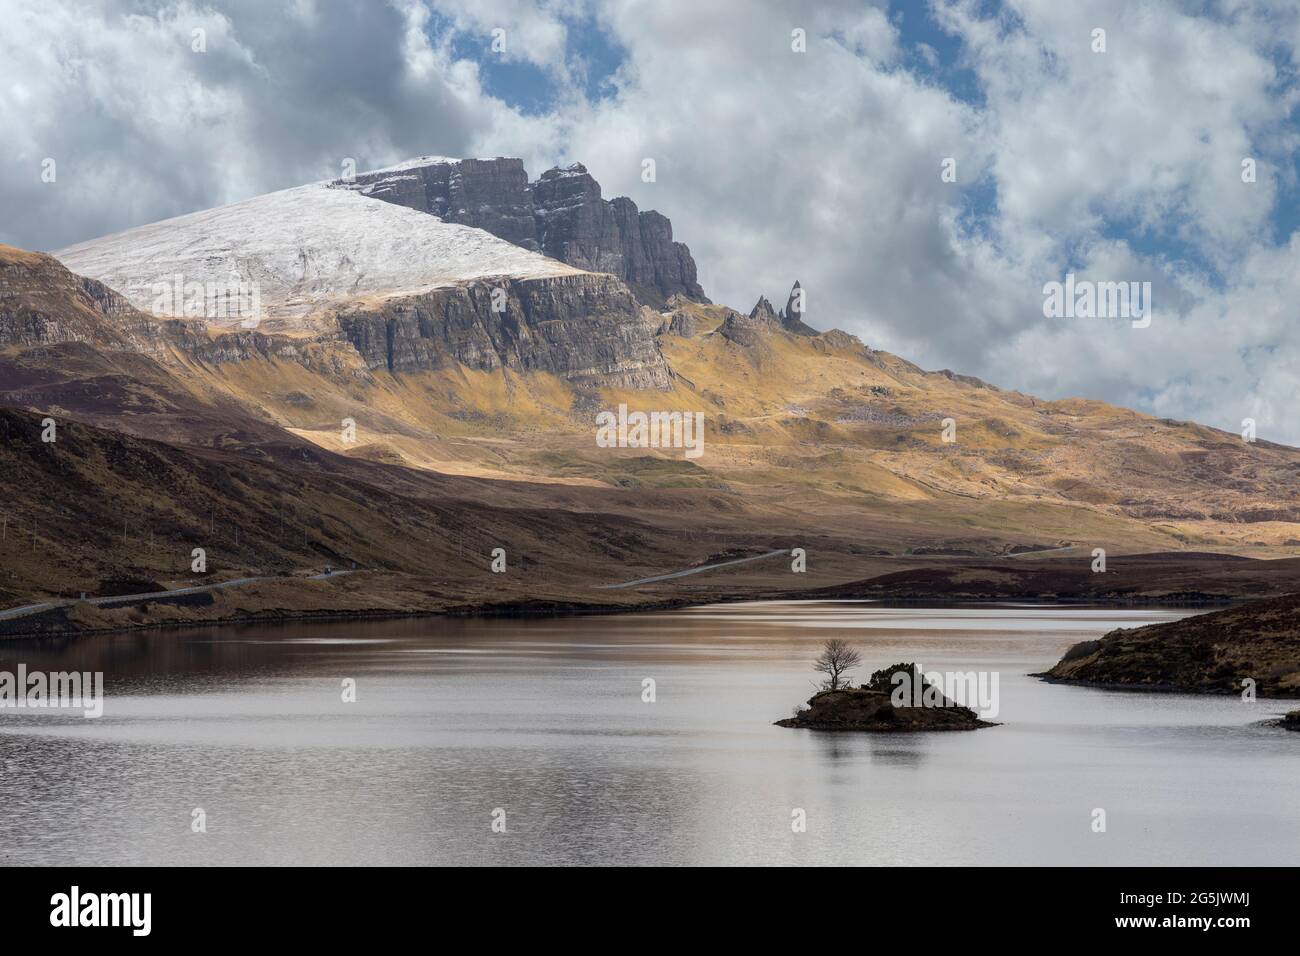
x,y
302,250
417,163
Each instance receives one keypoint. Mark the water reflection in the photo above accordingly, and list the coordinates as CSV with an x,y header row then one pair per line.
x,y
545,720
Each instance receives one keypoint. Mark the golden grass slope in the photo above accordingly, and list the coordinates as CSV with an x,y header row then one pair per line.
x,y
822,427
814,433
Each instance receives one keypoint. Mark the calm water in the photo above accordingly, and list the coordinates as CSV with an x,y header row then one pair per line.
x,y
544,719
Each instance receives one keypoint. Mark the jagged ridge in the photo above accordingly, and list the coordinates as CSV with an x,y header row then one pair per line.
x,y
561,214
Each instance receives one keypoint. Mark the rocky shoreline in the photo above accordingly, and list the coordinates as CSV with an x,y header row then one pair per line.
x,y
869,711
1288,721
1251,649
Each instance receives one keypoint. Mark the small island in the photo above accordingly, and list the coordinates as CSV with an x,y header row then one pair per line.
x,y
871,707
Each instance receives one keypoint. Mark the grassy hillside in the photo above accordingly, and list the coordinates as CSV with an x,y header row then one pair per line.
x,y
104,513
236,442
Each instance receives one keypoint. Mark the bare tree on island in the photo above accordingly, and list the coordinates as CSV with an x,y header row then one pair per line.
x,y
836,658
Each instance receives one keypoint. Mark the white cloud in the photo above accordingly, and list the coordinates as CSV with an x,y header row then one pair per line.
x,y
143,127
773,165
825,166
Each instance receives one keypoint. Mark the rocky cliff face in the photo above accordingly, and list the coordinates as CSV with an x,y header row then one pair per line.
x,y
745,332
577,226
42,303
562,214
763,312
488,194
584,328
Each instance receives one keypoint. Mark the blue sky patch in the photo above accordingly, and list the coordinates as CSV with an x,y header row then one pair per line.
x,y
592,57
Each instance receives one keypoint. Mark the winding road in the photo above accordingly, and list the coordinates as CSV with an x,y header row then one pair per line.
x,y
760,557
26,609
155,595
696,570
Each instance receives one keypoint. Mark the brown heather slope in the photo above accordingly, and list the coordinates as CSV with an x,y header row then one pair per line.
x,y
1207,653
1186,577
104,513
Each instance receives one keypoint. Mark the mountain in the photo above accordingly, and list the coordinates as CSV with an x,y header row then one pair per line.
x,y
817,419
303,249
389,337
382,284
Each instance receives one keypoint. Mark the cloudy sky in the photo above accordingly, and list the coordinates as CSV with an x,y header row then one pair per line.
x,y
825,165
